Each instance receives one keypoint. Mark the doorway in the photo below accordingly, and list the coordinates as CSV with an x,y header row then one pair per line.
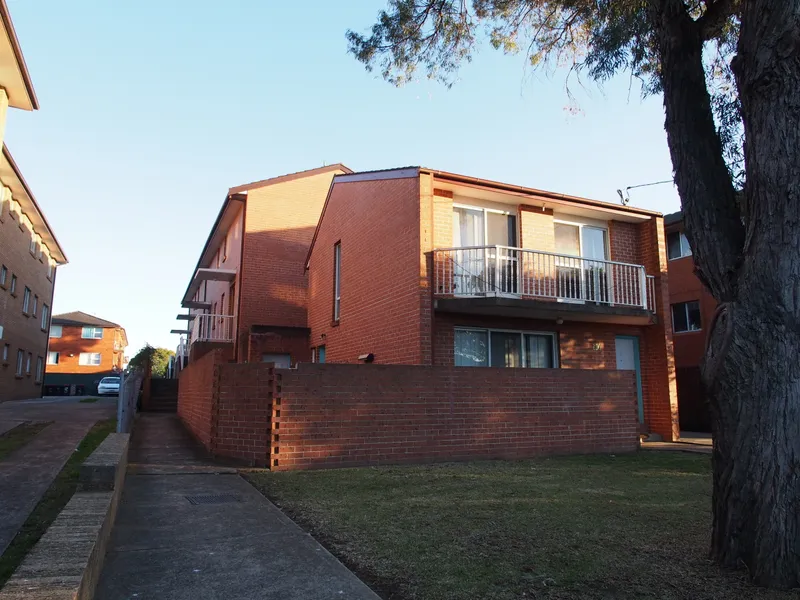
x,y
628,360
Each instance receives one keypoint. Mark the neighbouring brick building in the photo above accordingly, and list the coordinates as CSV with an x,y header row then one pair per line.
x,y
691,307
247,295
29,250
83,349
421,267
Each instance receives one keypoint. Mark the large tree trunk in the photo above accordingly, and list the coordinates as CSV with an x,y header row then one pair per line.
x,y
752,365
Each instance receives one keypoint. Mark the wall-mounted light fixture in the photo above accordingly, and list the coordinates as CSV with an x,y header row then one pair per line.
x,y
367,358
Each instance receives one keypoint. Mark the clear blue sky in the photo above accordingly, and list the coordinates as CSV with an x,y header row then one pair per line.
x,y
150,110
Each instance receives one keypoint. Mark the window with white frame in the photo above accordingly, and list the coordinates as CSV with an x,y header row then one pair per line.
x,y
52,358
87,359
686,317
677,245
20,362
56,331
26,300
337,280
92,333
46,319
33,243
50,265
501,348
3,275
39,369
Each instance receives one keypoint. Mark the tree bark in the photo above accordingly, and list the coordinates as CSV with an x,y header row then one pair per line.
x,y
752,363
756,390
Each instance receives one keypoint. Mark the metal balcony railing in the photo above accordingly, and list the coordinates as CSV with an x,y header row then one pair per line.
x,y
213,328
478,271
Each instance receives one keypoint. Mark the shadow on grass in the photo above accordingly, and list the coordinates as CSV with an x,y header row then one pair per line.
x,y
16,438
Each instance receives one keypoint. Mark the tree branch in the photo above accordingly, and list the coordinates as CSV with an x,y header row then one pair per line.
x,y
715,17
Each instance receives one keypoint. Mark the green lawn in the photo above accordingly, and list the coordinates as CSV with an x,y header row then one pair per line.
x,y
54,499
88,400
19,436
629,526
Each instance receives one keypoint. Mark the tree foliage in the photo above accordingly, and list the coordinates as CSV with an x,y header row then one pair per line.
x,y
593,38
159,358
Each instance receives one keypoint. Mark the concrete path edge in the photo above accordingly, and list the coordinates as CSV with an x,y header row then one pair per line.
x,y
68,559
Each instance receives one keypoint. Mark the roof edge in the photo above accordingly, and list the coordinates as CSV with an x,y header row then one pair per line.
x,y
289,177
23,68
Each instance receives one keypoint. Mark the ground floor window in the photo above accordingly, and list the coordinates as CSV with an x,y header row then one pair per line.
x,y
282,361
501,348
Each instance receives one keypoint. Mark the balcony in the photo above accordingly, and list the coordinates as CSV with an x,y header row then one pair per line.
x,y
213,328
507,281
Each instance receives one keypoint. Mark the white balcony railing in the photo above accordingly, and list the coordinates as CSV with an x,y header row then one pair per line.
x,y
518,272
213,328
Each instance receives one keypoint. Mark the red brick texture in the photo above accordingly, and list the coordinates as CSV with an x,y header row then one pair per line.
x,y
382,273
352,415
197,391
319,416
71,342
295,344
21,331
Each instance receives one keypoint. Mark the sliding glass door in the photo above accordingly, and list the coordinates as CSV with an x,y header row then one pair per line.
x,y
479,267
582,274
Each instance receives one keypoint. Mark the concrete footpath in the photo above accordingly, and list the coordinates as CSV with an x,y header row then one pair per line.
x,y
188,529
26,474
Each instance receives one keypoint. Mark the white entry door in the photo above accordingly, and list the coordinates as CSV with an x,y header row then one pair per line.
x,y
628,360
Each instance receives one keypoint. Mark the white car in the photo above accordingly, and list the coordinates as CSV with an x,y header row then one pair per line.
x,y
108,386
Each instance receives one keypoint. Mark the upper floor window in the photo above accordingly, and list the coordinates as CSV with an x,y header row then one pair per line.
x,y
13,289
3,275
6,352
26,300
89,359
1,332
35,305
39,369
50,267
56,330
28,364
46,319
337,281
92,333
474,226
33,244
686,317
677,245
20,362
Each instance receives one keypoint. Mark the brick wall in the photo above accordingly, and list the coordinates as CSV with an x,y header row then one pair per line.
x,y
72,343
354,415
536,230
282,341
382,266
21,331
623,241
197,392
244,410
279,223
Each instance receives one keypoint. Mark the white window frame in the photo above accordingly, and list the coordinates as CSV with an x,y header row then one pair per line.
x,y
60,331
94,330
45,316
685,251
686,311
580,225
3,275
90,360
26,300
497,211
57,357
337,281
522,333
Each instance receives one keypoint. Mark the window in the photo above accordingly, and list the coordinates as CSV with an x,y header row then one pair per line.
x,y
28,364
282,361
56,331
52,358
677,245
686,317
33,244
321,354
491,348
50,269
46,318
26,300
35,304
337,280
1,332
39,369
92,333
20,362
13,284
87,359
3,275
6,352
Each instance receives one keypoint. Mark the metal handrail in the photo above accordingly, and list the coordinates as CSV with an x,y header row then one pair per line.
x,y
570,256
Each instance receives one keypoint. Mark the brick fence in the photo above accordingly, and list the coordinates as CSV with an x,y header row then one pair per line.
x,y
336,415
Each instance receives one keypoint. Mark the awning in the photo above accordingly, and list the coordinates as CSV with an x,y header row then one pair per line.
x,y
202,275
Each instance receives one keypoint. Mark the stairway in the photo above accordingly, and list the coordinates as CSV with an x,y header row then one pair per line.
x,y
163,396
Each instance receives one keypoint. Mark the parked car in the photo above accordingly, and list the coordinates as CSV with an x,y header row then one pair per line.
x,y
108,386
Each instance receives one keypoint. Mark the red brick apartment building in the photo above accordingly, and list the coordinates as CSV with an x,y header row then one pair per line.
x,y
247,295
83,349
421,267
29,250
692,308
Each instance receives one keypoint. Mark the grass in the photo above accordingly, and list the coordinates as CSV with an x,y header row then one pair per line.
x,y
53,500
16,438
88,400
588,527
